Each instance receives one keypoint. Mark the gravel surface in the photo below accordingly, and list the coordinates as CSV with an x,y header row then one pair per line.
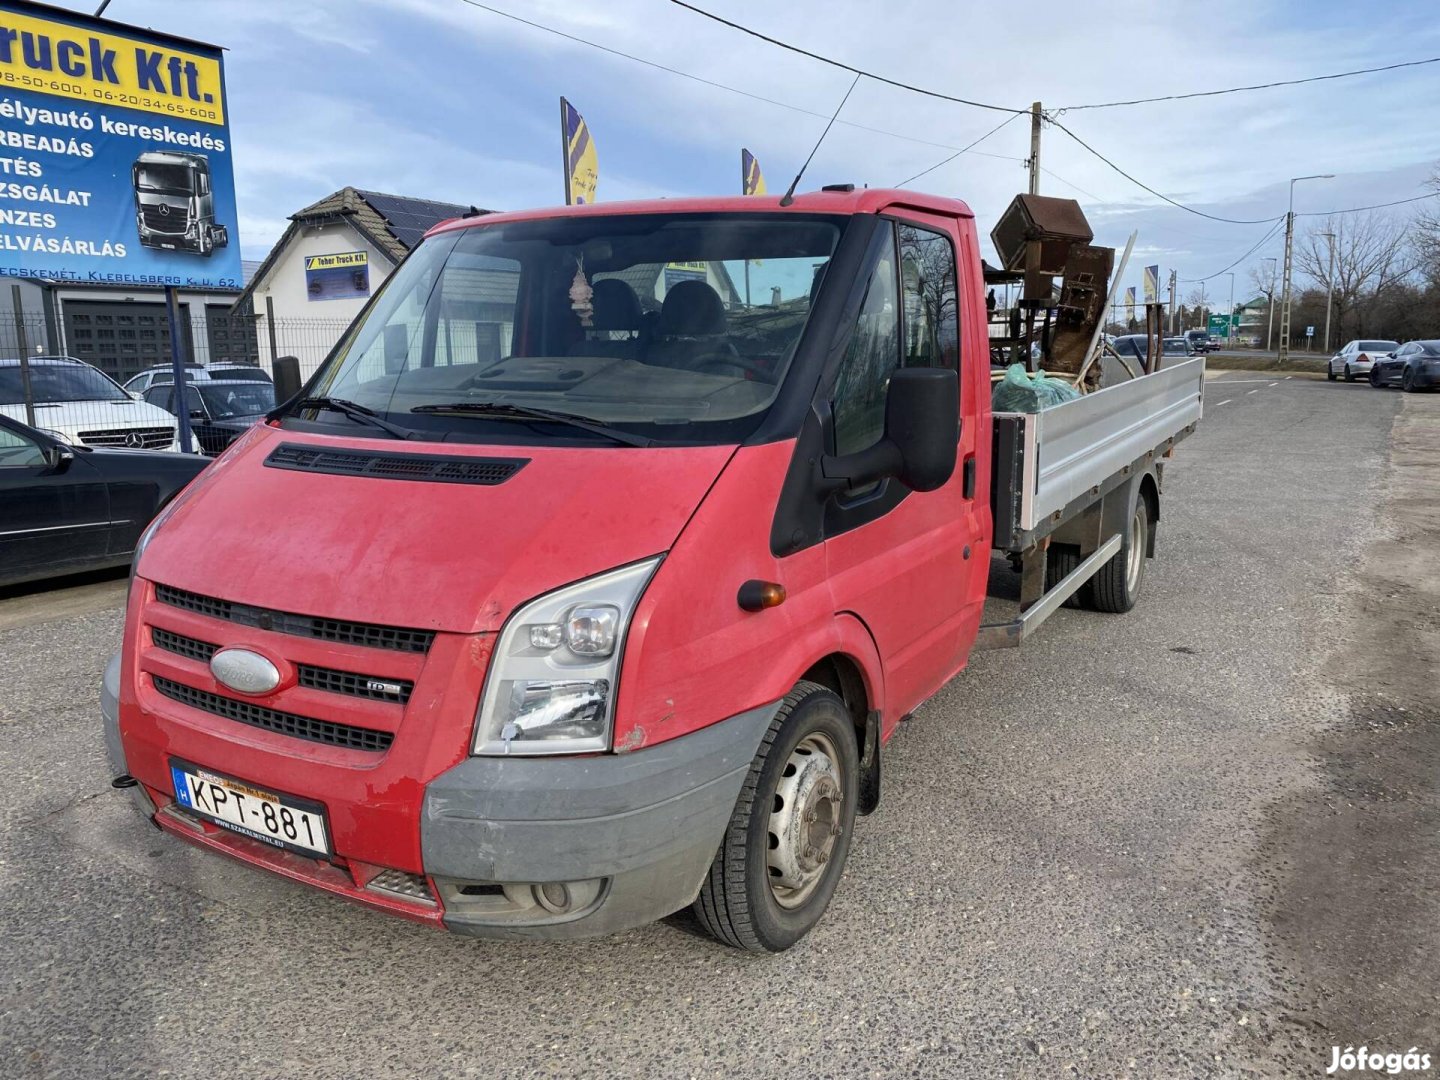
x,y
1115,853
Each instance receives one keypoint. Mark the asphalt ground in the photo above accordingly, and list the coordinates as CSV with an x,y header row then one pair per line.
x,y
1194,840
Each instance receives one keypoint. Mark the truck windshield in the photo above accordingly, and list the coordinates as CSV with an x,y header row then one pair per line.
x,y
677,328
164,179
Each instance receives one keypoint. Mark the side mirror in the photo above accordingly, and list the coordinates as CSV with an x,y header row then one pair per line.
x,y
58,457
922,433
396,347
197,414
287,378
135,395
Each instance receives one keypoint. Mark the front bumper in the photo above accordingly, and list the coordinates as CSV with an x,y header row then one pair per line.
x,y
529,847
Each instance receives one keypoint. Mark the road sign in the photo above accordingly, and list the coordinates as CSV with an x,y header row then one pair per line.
x,y
1217,326
1309,331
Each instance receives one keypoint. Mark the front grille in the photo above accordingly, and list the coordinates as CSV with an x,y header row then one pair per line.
x,y
130,438
172,222
281,622
399,883
182,646
299,727
374,687
435,468
347,682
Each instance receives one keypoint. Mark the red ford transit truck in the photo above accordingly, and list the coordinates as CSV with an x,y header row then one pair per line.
x,y
589,576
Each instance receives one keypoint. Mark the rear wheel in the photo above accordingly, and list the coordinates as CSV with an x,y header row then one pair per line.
x,y
1060,560
785,846
1407,381
1117,586
1349,375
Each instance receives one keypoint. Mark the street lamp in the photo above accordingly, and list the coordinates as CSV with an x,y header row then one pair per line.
x,y
1289,246
1270,331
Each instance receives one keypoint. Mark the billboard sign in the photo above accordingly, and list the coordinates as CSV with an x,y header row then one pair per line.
x,y
115,154
1152,284
342,276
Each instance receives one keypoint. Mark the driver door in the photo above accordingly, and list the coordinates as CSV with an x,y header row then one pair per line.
x,y
53,514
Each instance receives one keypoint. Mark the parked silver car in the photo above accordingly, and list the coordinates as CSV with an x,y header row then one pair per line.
x,y
1354,360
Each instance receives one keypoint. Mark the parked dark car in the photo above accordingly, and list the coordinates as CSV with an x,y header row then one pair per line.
x,y
1413,366
1135,346
220,410
67,508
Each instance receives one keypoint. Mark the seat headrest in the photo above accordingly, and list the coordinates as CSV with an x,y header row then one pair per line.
x,y
616,306
691,309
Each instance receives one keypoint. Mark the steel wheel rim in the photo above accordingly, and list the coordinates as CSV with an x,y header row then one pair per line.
x,y
805,820
1136,555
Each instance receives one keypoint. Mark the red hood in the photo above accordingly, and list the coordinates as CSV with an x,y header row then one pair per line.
x,y
453,557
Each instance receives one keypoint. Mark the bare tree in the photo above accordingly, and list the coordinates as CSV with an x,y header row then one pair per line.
x,y
1427,236
1371,251
1199,306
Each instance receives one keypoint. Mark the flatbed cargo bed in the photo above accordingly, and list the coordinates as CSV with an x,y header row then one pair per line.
x,y
1051,465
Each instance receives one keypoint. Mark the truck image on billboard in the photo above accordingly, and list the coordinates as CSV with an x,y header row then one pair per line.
x,y
115,158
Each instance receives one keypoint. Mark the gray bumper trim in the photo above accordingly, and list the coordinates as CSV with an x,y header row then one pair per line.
x,y
114,748
648,822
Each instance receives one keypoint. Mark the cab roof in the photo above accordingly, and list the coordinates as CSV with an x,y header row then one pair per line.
x,y
833,201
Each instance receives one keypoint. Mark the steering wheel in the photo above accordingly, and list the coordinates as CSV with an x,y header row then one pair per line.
x,y
728,356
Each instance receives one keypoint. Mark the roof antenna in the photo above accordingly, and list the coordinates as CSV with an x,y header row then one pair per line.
x,y
789,196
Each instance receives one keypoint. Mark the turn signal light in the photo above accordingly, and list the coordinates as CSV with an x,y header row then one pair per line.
x,y
759,595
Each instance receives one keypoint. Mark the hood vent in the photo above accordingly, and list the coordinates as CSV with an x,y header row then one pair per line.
x,y
433,468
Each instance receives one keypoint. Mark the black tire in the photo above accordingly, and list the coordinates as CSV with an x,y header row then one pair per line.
x,y
1349,375
1330,373
1407,381
1117,585
1060,561
738,904
1375,378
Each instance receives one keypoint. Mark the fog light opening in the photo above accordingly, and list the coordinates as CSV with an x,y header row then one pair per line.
x,y
553,896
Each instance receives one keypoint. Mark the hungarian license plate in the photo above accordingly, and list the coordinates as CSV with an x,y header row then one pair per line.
x,y
280,820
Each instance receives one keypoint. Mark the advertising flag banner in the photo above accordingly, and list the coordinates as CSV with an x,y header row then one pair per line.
x,y
1152,284
115,158
752,181
1130,303
582,167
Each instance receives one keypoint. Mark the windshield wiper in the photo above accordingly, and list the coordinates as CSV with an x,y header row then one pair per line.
x,y
353,411
506,411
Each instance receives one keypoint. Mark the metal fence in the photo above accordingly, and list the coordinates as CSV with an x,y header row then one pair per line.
x,y
104,375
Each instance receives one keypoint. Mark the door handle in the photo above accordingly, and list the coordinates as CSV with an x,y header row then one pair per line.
x,y
967,477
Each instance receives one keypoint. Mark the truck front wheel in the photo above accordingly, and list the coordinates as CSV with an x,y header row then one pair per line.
x,y
1116,586
785,845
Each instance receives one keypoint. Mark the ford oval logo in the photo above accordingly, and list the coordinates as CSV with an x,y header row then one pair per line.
x,y
245,671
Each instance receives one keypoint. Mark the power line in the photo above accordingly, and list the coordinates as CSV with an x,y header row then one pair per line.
x,y
1256,86
841,64
1147,187
1270,234
1377,206
957,153
718,85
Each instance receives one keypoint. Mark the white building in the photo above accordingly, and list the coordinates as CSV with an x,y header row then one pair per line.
x,y
333,255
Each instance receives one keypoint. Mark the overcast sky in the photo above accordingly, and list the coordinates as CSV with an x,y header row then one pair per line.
x,y
438,98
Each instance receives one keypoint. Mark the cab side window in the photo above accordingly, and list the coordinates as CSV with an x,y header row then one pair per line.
x,y
19,451
909,318
858,405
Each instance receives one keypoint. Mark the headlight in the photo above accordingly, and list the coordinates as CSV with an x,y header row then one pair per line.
x,y
552,680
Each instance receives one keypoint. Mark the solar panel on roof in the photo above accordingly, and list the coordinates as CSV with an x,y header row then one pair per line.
x,y
409,219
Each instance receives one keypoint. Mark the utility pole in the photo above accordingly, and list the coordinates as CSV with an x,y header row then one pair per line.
x,y
1230,315
1036,113
1289,256
1329,287
1172,302
1270,303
